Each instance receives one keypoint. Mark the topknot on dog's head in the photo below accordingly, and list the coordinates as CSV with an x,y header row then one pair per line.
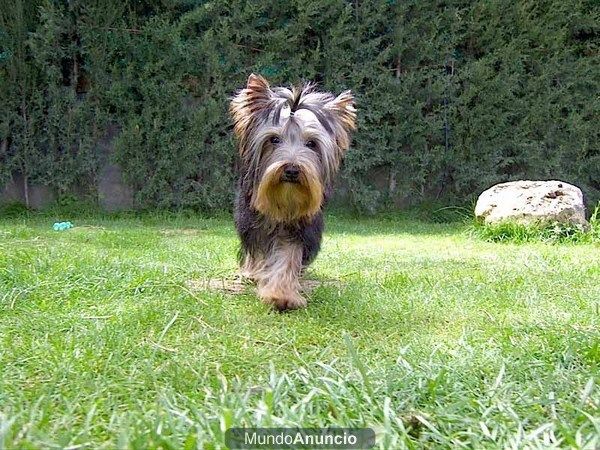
x,y
257,105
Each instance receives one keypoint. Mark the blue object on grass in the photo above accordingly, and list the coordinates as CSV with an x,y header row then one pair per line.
x,y
60,226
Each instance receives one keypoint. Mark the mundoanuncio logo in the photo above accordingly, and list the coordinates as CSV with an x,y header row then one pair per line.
x,y
294,438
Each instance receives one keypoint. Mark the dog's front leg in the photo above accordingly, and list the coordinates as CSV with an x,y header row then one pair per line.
x,y
250,267
279,283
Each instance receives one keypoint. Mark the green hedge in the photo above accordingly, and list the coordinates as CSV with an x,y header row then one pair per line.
x,y
453,96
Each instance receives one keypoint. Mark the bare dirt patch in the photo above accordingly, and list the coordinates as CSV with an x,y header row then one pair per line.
x,y
180,231
239,285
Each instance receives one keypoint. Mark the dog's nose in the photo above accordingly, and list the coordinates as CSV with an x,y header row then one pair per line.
x,y
291,172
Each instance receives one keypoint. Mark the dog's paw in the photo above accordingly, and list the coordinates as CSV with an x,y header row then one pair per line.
x,y
246,276
290,302
282,301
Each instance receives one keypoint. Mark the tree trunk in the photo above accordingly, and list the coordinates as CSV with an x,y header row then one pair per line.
x,y
26,190
393,184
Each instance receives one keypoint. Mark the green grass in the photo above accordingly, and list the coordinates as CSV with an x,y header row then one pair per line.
x,y
428,334
548,232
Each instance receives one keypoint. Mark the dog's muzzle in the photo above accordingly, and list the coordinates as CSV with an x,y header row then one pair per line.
x,y
290,174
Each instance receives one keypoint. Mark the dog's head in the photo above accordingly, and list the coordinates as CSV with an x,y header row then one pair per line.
x,y
291,143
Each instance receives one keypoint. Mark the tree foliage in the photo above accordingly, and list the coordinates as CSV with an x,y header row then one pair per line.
x,y
453,96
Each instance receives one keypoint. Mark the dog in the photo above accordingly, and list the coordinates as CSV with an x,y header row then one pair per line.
x,y
290,146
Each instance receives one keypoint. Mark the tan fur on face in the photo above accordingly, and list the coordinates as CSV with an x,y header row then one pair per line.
x,y
287,202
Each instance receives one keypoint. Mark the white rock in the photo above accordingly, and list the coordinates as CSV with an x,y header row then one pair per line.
x,y
528,201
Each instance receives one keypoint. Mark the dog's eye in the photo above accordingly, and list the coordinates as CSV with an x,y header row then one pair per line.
x,y
311,144
274,140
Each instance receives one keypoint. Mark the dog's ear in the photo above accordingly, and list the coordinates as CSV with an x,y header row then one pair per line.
x,y
249,102
258,86
343,110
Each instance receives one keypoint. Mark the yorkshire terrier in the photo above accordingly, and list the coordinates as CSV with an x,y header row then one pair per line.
x,y
291,143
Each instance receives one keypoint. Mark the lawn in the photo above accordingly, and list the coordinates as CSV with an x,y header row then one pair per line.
x,y
112,335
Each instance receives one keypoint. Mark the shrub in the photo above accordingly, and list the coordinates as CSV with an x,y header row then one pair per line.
x,y
452,97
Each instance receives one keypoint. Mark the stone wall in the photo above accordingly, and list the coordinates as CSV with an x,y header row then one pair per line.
x,y
113,192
